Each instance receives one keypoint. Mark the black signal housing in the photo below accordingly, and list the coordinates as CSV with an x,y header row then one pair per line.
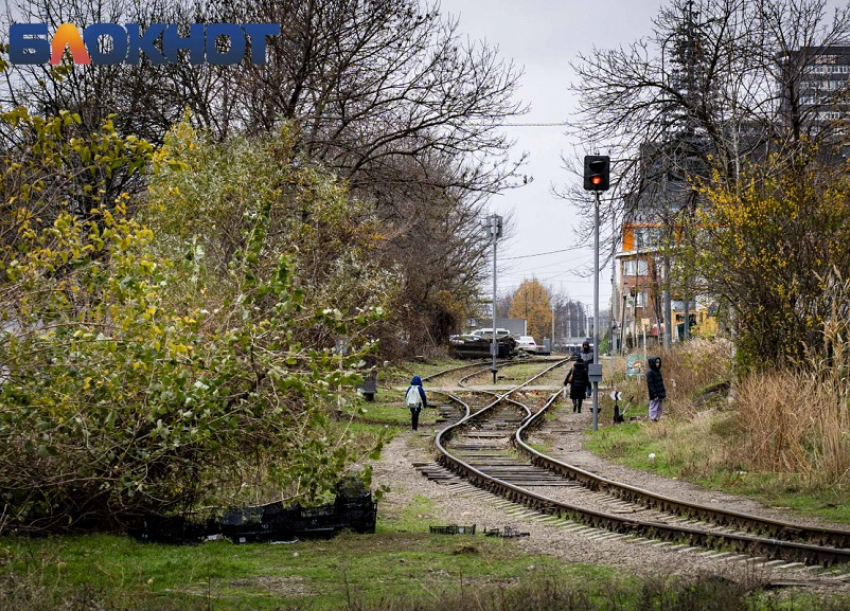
x,y
597,172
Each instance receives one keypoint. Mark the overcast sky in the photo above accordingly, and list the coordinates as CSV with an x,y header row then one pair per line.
x,y
542,37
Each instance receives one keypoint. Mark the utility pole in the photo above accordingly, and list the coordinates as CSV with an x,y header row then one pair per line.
x,y
669,325
495,234
623,326
552,337
614,299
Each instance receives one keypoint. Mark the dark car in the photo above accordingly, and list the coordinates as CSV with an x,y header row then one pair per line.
x,y
474,347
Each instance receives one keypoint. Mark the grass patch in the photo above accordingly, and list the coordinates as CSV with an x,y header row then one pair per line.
x,y
381,572
400,374
520,372
698,450
785,449
325,574
386,410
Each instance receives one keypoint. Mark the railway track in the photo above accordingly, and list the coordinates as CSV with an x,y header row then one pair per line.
x,y
487,446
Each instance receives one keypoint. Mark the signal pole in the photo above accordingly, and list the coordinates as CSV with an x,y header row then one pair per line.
x,y
596,178
596,312
495,234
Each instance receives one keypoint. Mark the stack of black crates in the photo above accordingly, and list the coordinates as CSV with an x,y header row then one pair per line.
x,y
353,509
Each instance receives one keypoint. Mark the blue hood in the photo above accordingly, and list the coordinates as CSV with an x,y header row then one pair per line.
x,y
416,381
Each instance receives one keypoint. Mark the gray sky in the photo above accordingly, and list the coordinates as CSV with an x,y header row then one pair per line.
x,y
543,36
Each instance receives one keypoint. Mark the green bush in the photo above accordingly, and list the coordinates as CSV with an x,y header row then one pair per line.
x,y
136,383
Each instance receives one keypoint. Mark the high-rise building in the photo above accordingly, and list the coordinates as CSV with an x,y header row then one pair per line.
x,y
815,82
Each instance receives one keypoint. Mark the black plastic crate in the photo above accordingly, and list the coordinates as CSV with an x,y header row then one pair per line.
x,y
453,529
506,533
259,523
171,529
274,522
361,518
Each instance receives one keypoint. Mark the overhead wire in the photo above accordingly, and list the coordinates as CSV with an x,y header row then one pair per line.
x,y
531,125
541,254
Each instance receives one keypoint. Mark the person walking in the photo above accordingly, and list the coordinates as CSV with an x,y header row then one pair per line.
x,y
415,400
586,355
577,379
655,384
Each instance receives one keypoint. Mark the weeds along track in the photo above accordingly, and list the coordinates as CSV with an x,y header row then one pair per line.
x,y
487,447
480,371
459,403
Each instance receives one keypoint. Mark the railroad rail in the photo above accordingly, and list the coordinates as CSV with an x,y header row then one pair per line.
x,y
467,448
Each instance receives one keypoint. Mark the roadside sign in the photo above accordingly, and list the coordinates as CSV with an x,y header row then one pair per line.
x,y
635,367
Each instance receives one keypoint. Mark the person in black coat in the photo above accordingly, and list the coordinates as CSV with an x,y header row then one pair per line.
x,y
578,381
586,355
655,384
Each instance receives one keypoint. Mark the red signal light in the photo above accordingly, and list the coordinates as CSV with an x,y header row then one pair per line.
x,y
596,172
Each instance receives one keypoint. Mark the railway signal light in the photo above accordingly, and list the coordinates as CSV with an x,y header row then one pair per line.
x,y
597,169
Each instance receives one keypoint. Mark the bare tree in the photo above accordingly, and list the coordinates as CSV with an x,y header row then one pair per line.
x,y
385,93
717,82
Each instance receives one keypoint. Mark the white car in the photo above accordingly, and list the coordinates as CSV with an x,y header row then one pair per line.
x,y
527,344
488,333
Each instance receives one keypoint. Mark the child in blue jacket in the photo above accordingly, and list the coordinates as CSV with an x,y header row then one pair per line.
x,y
415,400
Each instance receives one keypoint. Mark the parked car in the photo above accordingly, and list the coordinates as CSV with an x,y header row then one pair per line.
x,y
526,343
479,347
488,333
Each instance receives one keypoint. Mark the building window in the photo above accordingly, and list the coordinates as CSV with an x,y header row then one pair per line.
x,y
831,69
647,237
629,267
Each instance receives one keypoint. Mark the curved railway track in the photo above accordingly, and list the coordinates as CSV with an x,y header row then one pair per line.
x,y
487,445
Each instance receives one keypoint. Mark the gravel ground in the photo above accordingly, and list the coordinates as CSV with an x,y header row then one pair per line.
x,y
463,504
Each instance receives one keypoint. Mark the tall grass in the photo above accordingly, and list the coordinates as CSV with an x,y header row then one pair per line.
x,y
797,420
694,370
691,371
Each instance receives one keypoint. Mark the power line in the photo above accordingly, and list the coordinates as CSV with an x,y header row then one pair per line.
x,y
531,125
541,254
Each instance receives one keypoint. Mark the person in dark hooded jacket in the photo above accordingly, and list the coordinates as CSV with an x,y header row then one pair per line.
x,y
586,355
578,381
655,384
415,400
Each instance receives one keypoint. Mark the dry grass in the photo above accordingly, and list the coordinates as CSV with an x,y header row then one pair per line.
x,y
786,427
790,421
794,422
691,370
